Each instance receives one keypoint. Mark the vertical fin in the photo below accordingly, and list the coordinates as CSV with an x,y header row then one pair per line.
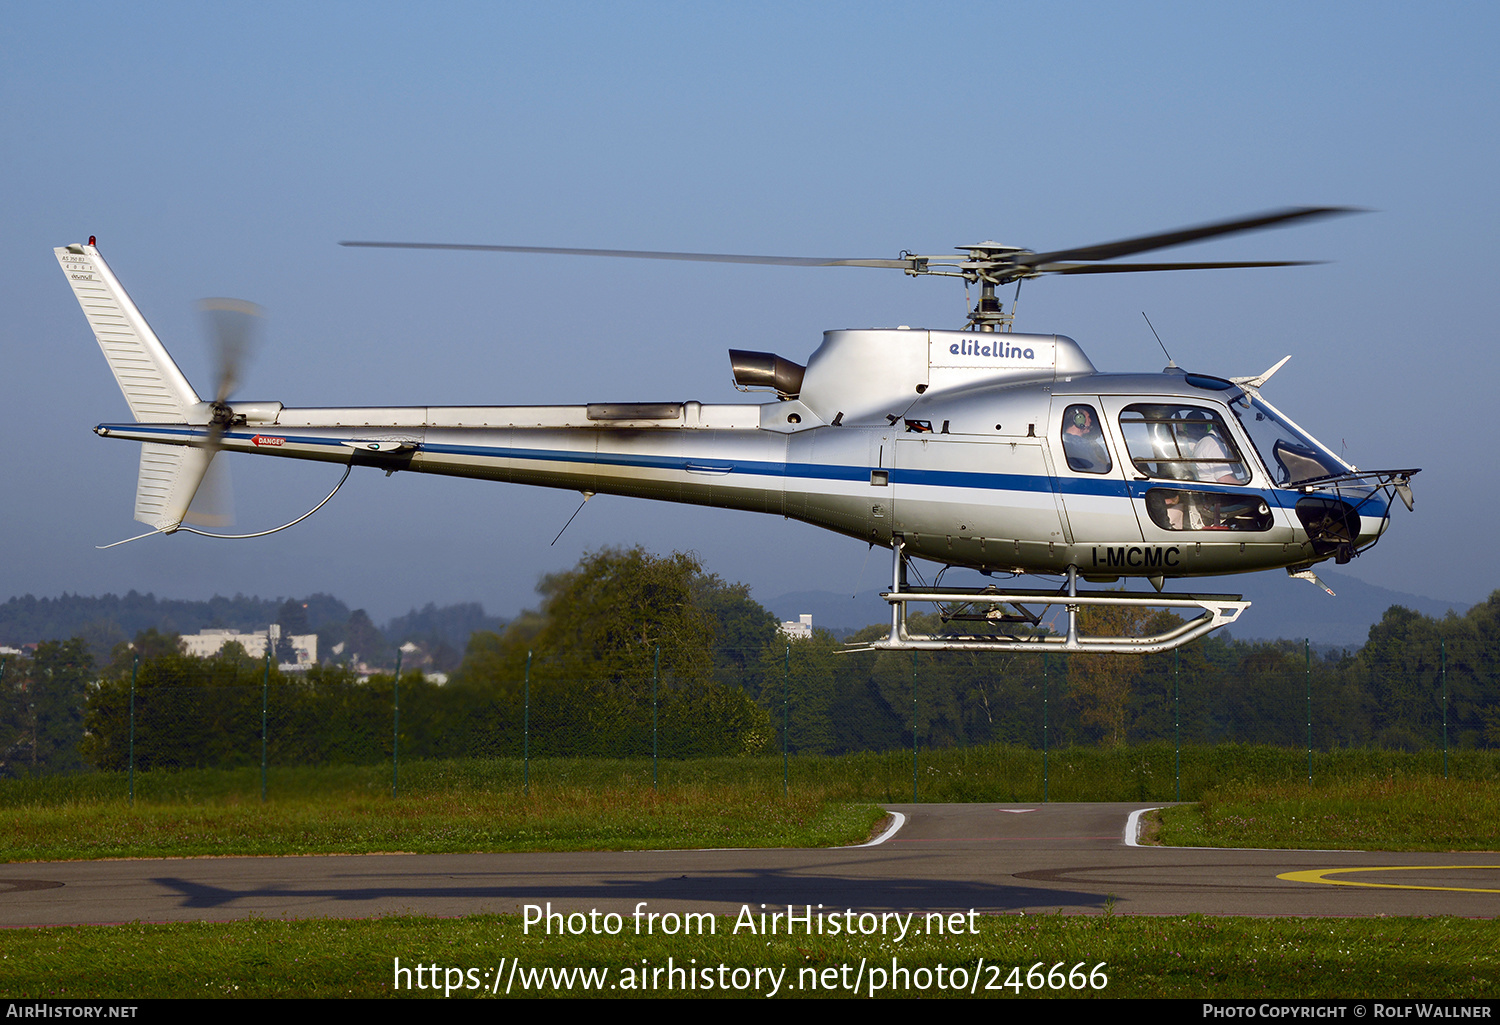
x,y
154,387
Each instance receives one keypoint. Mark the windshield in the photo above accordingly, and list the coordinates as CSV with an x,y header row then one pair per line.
x,y
1290,455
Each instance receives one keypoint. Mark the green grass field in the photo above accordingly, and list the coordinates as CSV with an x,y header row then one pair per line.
x,y
1251,797
1368,814
1190,957
443,807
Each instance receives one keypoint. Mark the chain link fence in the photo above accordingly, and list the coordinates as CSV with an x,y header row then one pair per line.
x,y
806,698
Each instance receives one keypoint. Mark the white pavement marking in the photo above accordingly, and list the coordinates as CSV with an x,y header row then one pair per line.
x,y
1133,826
897,821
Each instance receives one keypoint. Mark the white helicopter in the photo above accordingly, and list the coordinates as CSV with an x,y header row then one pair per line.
x,y
984,448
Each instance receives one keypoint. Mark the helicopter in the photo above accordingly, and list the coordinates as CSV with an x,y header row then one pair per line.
x,y
982,447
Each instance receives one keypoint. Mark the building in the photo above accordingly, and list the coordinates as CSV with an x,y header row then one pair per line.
x,y
798,630
211,642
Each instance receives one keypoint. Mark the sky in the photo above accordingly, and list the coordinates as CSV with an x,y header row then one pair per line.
x,y
225,149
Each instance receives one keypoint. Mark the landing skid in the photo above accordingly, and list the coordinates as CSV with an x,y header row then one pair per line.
x,y
1021,612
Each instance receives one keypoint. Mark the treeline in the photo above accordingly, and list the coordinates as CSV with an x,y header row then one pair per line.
x,y
622,659
1416,683
630,653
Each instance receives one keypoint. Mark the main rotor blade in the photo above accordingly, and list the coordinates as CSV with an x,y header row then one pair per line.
x,y
641,254
1120,268
1125,247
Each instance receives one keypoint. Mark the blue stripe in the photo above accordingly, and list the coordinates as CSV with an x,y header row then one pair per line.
x,y
1104,487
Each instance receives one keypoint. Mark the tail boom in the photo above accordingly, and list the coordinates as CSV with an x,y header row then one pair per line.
x,y
744,469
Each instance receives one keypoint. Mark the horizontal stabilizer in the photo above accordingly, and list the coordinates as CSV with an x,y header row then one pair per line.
x,y
154,387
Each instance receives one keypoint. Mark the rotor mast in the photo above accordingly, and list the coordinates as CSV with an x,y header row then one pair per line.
x,y
989,313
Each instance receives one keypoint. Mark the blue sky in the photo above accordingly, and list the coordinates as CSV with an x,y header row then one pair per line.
x,y
224,149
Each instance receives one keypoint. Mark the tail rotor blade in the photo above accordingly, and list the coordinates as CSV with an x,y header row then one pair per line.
x,y
232,326
231,330
213,504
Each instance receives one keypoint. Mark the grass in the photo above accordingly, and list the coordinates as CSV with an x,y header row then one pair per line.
x,y
1363,814
1191,957
1251,797
443,808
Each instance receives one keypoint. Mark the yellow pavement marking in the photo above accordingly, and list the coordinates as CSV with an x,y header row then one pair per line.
x,y
1319,875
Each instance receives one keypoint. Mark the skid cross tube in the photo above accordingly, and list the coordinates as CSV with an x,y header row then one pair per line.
x,y
1215,610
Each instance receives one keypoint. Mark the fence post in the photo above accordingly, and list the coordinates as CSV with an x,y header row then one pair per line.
x,y
396,727
913,727
1044,728
1307,655
266,691
655,677
786,673
134,666
1443,674
266,697
526,729
1177,717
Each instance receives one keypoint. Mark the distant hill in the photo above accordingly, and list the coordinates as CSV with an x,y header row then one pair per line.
x,y
28,619
1287,608
839,614
1282,607
451,623
106,620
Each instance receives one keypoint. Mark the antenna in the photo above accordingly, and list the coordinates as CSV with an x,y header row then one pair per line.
x,y
586,496
1171,364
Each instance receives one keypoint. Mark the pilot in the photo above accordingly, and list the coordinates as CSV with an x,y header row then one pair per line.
x,y
1212,462
1083,441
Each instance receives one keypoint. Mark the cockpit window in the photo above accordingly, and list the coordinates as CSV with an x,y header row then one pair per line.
x,y
1290,456
1083,441
1177,442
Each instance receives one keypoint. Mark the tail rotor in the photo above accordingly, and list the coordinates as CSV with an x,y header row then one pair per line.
x,y
232,327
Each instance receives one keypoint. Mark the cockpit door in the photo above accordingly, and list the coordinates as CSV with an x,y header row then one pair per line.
x,y
1090,473
1191,475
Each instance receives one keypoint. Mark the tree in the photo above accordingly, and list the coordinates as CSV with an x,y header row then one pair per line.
x,y
606,618
1101,684
594,646
55,692
15,714
148,644
1401,665
743,631
364,643
293,618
